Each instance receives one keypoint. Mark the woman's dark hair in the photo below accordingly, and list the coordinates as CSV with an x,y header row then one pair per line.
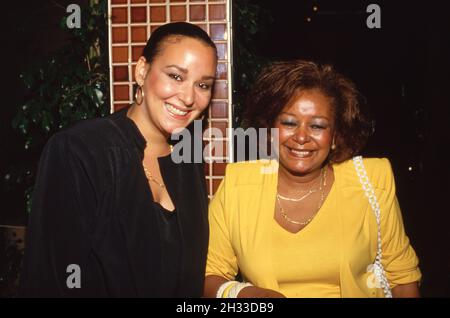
x,y
279,82
177,29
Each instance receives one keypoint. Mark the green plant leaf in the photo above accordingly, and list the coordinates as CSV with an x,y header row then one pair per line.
x,y
63,87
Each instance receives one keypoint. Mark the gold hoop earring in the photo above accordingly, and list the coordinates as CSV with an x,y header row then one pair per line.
x,y
139,95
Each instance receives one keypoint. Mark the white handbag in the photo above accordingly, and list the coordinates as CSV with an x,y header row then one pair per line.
x,y
376,267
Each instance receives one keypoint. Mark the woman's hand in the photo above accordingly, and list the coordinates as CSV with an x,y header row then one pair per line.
x,y
258,292
213,282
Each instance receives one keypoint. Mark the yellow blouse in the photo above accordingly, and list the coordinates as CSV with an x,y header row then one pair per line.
x,y
330,256
306,263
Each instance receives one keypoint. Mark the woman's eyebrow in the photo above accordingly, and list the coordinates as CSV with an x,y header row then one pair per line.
x,y
186,71
181,69
287,113
320,117
314,117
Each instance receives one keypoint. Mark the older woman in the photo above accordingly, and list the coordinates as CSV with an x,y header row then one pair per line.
x,y
303,226
113,215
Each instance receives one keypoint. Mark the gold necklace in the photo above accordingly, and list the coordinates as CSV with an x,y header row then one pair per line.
x,y
150,177
310,191
322,196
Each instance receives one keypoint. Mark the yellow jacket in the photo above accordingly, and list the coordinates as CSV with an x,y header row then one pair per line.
x,y
241,213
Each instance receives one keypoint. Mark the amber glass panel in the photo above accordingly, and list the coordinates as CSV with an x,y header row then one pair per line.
x,y
120,54
222,126
220,90
219,169
221,71
136,52
121,92
217,12
197,12
133,70
221,51
218,31
216,183
177,13
139,34
219,110
157,14
138,14
118,1
120,35
119,15
120,73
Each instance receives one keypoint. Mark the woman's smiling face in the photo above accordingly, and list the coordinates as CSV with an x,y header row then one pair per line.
x,y
178,83
306,128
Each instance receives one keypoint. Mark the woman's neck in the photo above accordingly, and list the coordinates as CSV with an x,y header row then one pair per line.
x,y
288,180
149,131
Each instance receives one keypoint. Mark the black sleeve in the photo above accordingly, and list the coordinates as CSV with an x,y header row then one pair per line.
x,y
64,201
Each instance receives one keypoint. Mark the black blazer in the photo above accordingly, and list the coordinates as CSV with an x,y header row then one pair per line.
x,y
92,207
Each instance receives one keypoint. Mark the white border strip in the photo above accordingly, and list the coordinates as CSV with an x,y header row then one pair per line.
x,y
110,49
229,10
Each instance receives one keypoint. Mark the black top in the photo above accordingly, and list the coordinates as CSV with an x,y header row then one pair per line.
x,y
171,249
92,207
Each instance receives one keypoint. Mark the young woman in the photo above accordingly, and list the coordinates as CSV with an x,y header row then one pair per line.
x,y
113,215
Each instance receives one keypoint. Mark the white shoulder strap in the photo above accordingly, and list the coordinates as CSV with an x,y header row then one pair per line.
x,y
378,269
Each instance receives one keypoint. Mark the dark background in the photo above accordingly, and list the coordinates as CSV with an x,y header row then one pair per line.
x,y
403,70
30,31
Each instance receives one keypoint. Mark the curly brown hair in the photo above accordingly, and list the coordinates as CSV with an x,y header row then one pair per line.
x,y
279,82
